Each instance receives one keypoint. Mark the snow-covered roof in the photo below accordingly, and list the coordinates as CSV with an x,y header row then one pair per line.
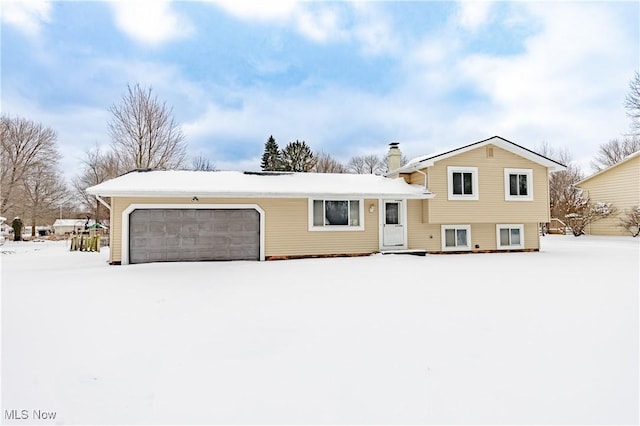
x,y
69,222
428,160
180,183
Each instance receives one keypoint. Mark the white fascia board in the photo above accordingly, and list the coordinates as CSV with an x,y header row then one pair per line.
x,y
499,142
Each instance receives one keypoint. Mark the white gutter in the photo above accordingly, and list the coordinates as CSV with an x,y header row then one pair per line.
x,y
233,194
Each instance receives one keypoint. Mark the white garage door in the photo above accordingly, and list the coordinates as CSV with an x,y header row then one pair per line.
x,y
175,235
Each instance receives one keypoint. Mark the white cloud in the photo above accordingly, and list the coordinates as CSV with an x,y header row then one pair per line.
x,y
319,25
555,90
273,10
566,86
150,21
473,14
321,22
373,29
26,15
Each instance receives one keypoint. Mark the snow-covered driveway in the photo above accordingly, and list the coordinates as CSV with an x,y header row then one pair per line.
x,y
549,337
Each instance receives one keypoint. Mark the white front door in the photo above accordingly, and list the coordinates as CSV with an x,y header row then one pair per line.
x,y
392,223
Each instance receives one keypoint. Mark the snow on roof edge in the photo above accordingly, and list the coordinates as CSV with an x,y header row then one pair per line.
x,y
238,184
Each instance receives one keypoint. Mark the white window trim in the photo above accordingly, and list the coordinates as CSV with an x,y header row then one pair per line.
x,y
507,185
331,228
509,226
443,239
474,182
124,237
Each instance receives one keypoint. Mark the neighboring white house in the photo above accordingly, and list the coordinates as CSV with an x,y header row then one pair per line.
x,y
70,226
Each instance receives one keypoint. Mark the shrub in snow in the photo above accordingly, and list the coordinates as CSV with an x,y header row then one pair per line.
x,y
17,228
631,221
584,213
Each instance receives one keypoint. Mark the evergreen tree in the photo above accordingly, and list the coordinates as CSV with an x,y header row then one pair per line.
x,y
271,158
298,157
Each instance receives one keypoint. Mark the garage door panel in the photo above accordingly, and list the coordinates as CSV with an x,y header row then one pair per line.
x,y
159,235
155,215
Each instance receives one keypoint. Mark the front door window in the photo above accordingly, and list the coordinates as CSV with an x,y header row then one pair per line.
x,y
392,216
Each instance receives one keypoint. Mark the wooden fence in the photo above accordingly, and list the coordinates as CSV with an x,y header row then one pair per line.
x,y
85,243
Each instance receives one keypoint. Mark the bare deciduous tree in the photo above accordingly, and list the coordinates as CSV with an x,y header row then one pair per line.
x,y
24,145
202,163
97,166
563,195
325,163
366,164
144,133
44,191
632,104
614,151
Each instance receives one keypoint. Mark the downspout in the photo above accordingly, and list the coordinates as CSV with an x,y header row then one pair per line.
x,y
425,178
425,188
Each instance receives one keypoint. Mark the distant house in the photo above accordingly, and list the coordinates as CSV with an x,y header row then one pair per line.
x,y
618,184
490,195
69,226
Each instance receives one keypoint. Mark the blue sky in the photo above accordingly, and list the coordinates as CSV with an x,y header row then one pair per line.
x,y
346,77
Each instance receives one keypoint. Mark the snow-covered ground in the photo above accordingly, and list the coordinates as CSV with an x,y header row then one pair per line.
x,y
549,337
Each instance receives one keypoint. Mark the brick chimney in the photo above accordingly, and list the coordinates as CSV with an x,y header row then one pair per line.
x,y
394,156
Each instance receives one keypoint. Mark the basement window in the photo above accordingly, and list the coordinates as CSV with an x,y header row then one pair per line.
x,y
510,237
456,237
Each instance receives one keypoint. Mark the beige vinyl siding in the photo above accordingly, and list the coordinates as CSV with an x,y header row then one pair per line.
x,y
427,236
491,206
619,185
420,234
286,227
417,178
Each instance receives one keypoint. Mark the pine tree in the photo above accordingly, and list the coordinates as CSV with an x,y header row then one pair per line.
x,y
298,157
271,158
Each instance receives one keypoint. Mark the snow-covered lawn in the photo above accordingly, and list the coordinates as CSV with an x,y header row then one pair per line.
x,y
549,337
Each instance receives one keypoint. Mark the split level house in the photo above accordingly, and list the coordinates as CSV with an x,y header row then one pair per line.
x,y
619,185
489,195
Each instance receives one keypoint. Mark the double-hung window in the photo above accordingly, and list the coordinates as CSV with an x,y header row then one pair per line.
x,y
332,214
456,237
518,184
462,183
510,237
